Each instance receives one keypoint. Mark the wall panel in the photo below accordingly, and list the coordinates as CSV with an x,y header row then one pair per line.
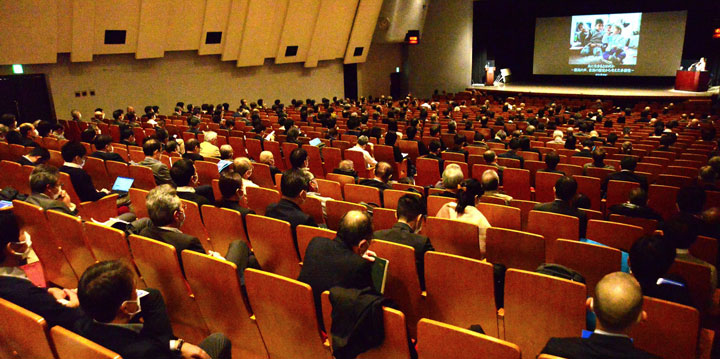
x,y
184,25
302,15
278,8
29,32
234,31
332,30
362,30
152,30
257,33
83,30
64,25
116,15
215,20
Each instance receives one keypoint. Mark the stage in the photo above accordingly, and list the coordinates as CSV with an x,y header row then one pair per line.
x,y
587,91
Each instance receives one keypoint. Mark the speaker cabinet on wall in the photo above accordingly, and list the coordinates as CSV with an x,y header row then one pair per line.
x,y
291,51
115,37
358,51
213,37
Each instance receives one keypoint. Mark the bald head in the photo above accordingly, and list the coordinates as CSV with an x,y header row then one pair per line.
x,y
617,302
383,171
490,180
355,226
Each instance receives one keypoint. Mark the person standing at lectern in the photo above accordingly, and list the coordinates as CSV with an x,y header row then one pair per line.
x,y
699,66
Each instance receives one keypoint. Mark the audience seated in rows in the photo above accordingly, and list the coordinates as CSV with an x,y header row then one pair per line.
x,y
104,149
451,180
192,150
294,186
552,159
347,168
514,146
244,167
268,158
627,174
598,156
209,148
363,143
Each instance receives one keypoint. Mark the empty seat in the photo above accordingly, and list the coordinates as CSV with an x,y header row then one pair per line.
x,y
590,187
72,346
670,330
454,237
23,334
553,226
206,172
501,216
648,225
273,245
525,208
331,189
514,249
619,192
261,175
663,200
193,224
698,281
428,171
143,176
71,238
223,226
137,200
383,218
516,183
440,340
434,203
357,193
613,234
285,313
590,260
391,197
259,198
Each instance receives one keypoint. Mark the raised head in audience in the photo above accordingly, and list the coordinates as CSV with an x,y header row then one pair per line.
x,y
491,186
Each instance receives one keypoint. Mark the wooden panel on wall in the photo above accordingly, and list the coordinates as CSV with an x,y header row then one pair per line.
x,y
83,30
332,30
184,25
116,15
363,29
274,28
234,31
64,25
257,33
215,21
152,30
29,32
302,16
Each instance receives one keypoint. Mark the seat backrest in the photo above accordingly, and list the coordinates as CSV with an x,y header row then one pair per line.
x,y
117,169
655,336
553,226
285,313
619,192
336,209
206,171
698,278
332,157
356,193
136,156
428,171
305,234
570,170
254,147
663,200
261,175
402,282
273,244
544,186
314,207
434,203
223,226
193,224
259,198
705,248
525,208
440,340
359,163
69,188
501,216
590,260
383,218
391,197
460,291
314,160
274,147
107,243
590,187
514,249
674,180
100,210
137,200
95,167
648,225
535,312
613,234
143,176
208,277
24,334
72,346
71,238
56,267
159,266
454,237
516,183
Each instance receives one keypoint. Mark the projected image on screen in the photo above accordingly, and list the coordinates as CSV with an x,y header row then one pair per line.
x,y
606,43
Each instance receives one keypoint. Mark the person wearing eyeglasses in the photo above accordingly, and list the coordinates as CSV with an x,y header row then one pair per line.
x,y
47,191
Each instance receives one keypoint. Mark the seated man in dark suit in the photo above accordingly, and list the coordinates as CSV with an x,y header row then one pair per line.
x,y
525,144
37,156
552,159
410,212
458,143
346,167
434,151
344,261
294,186
383,173
127,137
103,149
57,306
410,133
152,149
185,177
618,306
28,134
565,191
586,150
192,150
73,153
232,194
108,294
626,173
636,206
512,153
47,192
491,160
168,214
650,260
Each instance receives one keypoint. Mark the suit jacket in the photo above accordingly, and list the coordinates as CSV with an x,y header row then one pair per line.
x,y
235,207
83,184
24,293
108,156
401,233
160,170
43,201
28,142
598,346
371,182
203,195
286,210
151,342
512,154
329,263
441,161
552,171
562,207
625,176
631,210
180,241
26,162
193,156
583,153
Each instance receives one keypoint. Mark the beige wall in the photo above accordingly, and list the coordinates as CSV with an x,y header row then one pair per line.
x,y
121,80
443,59
374,73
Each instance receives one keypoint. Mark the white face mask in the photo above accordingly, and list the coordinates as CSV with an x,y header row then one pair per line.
x,y
28,243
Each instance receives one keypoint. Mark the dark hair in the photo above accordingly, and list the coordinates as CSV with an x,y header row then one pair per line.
x,y
466,197
293,182
88,135
13,137
598,156
171,146
680,233
514,143
298,157
10,231
409,207
126,133
8,120
691,199
229,184
566,188
551,160
411,131
43,176
71,150
628,163
650,258
182,172
103,288
434,146
612,138
570,142
489,156
43,153
638,196
44,128
390,138
150,146
101,141
191,145
352,232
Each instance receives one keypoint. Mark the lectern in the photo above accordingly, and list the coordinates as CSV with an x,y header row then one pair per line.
x,y
696,81
490,76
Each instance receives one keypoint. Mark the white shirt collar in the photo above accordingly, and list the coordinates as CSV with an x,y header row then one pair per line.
x,y
682,251
185,189
14,272
602,332
171,229
72,164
